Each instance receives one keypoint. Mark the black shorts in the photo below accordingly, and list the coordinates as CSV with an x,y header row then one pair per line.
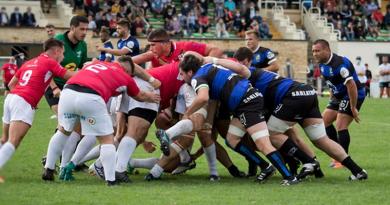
x,y
343,106
251,109
50,99
384,84
299,103
222,113
6,86
146,114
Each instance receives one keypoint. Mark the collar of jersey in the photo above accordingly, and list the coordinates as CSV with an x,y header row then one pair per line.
x,y
330,58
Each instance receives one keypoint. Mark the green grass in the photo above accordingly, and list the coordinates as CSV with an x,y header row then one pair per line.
x,y
369,147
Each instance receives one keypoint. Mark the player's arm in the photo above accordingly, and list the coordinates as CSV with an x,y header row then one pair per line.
x,y
141,73
352,94
213,51
236,67
200,100
143,58
13,82
147,97
68,74
273,67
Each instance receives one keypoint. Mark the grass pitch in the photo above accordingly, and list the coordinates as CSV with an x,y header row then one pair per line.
x,y
370,143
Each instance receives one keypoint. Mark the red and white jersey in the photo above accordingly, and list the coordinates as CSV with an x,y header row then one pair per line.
x,y
34,76
9,71
170,80
107,79
179,48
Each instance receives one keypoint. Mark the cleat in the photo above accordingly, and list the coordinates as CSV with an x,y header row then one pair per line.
x,y
318,172
214,178
81,167
288,182
360,176
48,174
112,183
43,161
97,171
122,177
252,169
183,167
66,173
335,164
149,177
164,141
265,174
308,169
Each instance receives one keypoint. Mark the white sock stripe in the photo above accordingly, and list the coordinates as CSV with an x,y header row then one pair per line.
x,y
260,134
176,147
234,130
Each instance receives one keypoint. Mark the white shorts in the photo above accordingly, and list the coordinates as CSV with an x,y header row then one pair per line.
x,y
89,109
185,97
17,108
144,86
122,103
111,107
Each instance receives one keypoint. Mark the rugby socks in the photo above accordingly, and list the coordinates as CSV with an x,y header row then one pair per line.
x,y
107,157
6,152
211,156
85,145
69,148
276,159
182,127
56,145
250,155
351,165
125,150
184,156
233,170
147,163
291,149
156,171
93,154
332,133
344,139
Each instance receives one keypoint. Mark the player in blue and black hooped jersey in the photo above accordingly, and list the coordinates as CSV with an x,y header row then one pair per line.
x,y
292,102
127,44
236,93
105,38
263,58
347,94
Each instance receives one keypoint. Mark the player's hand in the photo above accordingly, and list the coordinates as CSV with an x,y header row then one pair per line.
x,y
149,147
156,84
100,48
355,114
154,97
56,92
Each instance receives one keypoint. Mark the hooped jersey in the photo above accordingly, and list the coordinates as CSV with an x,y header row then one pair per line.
x,y
131,44
263,57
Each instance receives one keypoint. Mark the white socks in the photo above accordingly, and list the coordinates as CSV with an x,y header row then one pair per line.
x,y
69,148
184,156
182,127
6,152
147,163
156,171
93,154
107,157
211,156
56,145
125,150
85,145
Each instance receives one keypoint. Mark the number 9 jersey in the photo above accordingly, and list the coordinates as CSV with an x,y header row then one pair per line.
x,y
34,76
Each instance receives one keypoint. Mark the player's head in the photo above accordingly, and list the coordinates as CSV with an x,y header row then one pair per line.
x,y
321,50
160,42
50,30
54,48
244,56
79,27
104,34
189,65
123,28
127,64
252,39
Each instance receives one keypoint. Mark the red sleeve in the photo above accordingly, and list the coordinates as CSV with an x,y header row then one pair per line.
x,y
197,47
57,69
17,74
132,88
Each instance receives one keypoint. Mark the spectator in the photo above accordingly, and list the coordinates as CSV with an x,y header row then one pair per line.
x,y
378,17
349,32
157,7
113,24
237,21
230,4
16,18
203,23
387,17
368,83
220,29
288,69
92,26
115,8
103,22
204,6
169,12
186,9
174,27
264,31
77,4
384,76
45,6
28,18
50,30
219,11
371,7
138,25
251,12
91,7
346,14
183,24
243,6
4,20
145,7
228,19
360,70
192,23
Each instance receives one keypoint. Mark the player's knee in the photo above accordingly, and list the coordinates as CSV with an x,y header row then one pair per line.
x,y
315,131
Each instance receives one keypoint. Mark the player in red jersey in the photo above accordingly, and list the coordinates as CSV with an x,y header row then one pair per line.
x,y
84,100
9,70
27,88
